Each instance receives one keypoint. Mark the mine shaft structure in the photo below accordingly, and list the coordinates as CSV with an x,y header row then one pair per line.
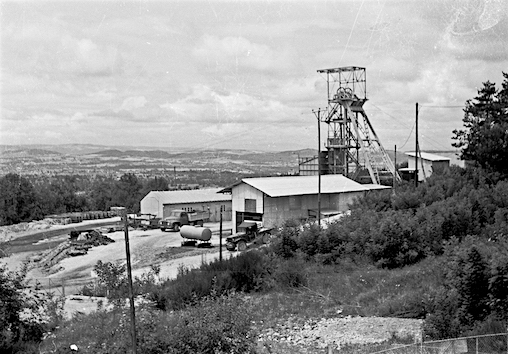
x,y
352,146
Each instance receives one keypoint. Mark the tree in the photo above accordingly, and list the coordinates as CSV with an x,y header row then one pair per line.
x,y
154,184
126,192
25,314
18,200
101,194
473,288
485,137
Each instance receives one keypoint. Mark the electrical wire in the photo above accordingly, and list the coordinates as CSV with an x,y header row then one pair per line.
x,y
446,106
411,132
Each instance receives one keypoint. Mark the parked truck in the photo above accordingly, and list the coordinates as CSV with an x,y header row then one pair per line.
x,y
143,221
178,218
249,231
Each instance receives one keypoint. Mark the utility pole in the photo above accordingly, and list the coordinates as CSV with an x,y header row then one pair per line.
x,y
318,113
395,174
220,235
131,291
416,148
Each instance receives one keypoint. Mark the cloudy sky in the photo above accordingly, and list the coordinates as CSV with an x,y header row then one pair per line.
x,y
239,74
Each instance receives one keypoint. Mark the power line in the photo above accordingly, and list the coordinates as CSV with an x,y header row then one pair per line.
x,y
403,122
411,132
446,106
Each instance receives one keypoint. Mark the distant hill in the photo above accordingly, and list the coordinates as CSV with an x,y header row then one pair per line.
x,y
11,151
84,149
133,153
286,158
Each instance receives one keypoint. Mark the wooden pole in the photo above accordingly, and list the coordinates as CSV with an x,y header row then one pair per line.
x,y
319,169
220,235
416,147
131,291
395,174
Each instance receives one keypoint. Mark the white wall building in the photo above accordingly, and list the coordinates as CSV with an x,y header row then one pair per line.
x,y
427,164
273,200
160,203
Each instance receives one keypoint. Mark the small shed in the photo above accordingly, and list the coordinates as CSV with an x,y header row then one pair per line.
x,y
273,200
160,203
427,164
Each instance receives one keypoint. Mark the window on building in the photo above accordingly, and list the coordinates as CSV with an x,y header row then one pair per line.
x,y
250,205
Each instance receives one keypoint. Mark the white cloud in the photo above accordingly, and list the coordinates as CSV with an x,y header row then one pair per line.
x,y
131,103
83,56
233,54
207,105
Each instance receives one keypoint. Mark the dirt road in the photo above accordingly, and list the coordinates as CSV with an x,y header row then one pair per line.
x,y
147,248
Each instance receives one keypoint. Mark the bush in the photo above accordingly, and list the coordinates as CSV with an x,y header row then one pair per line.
x,y
26,314
215,325
249,271
291,273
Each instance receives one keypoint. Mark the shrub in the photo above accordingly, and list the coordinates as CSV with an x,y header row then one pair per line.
x,y
291,273
247,272
26,314
307,240
214,325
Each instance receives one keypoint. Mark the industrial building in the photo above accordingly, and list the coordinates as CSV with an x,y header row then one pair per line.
x,y
273,200
427,163
160,203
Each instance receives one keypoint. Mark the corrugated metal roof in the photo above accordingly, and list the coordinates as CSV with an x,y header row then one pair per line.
x,y
428,156
301,185
189,196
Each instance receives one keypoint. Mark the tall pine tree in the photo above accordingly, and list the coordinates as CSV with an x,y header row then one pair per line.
x,y
484,138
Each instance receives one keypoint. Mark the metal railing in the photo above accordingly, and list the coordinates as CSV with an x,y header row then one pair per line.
x,y
483,344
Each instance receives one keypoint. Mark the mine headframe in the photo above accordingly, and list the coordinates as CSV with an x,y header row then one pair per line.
x,y
353,147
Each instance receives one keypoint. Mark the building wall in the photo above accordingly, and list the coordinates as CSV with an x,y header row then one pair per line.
x,y
212,207
428,166
151,205
279,209
239,194
440,165
276,210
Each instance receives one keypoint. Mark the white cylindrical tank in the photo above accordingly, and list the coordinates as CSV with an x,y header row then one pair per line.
x,y
196,233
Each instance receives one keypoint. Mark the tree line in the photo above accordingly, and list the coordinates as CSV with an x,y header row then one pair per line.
x,y
24,200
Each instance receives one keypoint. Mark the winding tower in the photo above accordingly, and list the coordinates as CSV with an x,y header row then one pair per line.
x,y
352,146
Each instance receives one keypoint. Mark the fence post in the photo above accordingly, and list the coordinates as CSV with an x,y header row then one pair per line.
x,y
63,287
476,345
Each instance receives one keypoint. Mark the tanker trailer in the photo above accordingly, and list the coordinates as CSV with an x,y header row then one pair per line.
x,y
192,235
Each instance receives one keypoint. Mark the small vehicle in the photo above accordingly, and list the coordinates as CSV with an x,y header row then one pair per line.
x,y
112,228
151,223
143,221
251,231
179,217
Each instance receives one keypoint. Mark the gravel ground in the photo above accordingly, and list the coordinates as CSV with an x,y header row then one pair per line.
x,y
343,331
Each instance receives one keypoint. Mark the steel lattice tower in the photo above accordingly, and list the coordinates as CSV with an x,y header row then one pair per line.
x,y
352,144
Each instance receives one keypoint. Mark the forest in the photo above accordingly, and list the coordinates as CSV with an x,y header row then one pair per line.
x,y
437,251
24,199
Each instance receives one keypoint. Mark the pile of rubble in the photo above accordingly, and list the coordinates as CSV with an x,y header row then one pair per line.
x,y
10,232
341,331
78,244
